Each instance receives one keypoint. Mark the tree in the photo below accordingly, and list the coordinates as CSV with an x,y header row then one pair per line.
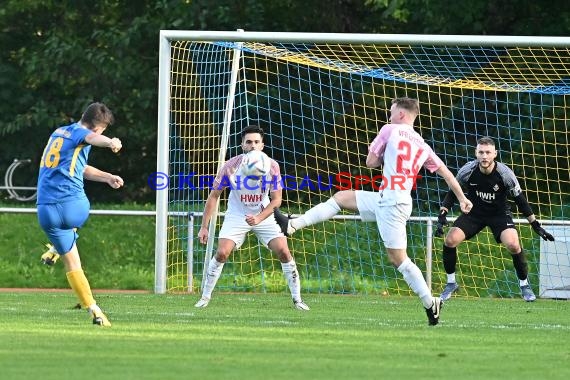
x,y
58,56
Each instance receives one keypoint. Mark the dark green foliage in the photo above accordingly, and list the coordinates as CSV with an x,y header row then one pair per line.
x,y
58,56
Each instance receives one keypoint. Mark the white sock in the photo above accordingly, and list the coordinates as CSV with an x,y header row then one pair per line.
x,y
413,276
451,277
292,276
212,276
94,309
523,282
319,213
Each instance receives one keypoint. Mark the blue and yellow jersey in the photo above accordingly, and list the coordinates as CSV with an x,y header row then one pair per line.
x,y
62,165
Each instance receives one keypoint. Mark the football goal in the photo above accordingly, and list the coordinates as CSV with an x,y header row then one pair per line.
x,y
321,99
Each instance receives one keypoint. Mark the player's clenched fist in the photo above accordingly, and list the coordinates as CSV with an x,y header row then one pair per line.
x,y
115,182
116,145
466,206
203,235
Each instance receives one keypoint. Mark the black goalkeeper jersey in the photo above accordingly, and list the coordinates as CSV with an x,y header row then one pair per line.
x,y
487,192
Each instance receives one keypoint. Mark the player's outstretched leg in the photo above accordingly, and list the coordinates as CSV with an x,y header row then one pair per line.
x,y
319,213
527,293
51,256
433,311
450,288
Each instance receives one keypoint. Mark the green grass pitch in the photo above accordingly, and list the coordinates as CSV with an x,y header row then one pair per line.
x,y
260,336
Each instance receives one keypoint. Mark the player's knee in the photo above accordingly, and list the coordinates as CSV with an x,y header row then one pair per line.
x,y
396,256
513,248
454,237
222,256
345,199
450,242
284,255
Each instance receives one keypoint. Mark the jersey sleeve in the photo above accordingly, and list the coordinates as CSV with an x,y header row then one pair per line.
x,y
378,145
222,179
274,180
433,162
79,134
465,172
509,179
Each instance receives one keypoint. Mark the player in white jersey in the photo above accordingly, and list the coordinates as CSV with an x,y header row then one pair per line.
x,y
250,208
402,152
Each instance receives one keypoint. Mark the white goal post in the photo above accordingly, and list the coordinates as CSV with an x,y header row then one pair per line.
x,y
320,98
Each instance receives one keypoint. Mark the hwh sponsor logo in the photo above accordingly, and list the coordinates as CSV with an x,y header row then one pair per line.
x,y
487,197
251,198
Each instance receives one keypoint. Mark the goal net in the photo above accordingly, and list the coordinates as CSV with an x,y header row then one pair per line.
x,y
321,100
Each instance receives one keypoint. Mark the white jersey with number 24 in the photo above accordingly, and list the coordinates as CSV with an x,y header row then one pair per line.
x,y
403,152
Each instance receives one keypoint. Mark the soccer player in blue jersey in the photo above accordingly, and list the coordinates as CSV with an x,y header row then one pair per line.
x,y
62,204
488,184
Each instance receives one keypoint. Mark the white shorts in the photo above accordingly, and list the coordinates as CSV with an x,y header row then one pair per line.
x,y
391,222
391,219
236,228
367,203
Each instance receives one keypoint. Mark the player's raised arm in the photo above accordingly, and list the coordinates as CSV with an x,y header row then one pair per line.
x,y
104,142
465,203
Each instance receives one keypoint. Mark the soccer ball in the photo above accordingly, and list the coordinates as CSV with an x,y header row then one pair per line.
x,y
255,163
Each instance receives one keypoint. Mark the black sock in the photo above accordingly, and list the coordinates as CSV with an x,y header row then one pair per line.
x,y
449,259
521,266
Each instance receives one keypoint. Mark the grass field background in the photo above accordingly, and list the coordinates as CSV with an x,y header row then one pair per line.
x,y
249,335
260,336
117,252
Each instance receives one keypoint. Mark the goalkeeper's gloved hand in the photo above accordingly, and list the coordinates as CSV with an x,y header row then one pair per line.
x,y
49,258
541,231
441,221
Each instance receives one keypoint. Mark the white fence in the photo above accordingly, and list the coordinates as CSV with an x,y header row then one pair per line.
x,y
562,235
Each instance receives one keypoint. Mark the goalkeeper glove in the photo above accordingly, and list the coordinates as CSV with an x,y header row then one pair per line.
x,y
441,221
541,231
51,256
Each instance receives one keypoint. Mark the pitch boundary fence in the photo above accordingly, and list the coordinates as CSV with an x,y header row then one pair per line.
x,y
160,267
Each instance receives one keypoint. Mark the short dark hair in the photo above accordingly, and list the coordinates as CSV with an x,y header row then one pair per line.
x,y
486,141
252,129
97,113
409,104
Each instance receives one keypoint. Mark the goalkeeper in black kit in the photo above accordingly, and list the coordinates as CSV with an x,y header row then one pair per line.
x,y
487,183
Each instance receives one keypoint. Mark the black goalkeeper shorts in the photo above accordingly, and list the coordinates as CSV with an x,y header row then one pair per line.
x,y
471,225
